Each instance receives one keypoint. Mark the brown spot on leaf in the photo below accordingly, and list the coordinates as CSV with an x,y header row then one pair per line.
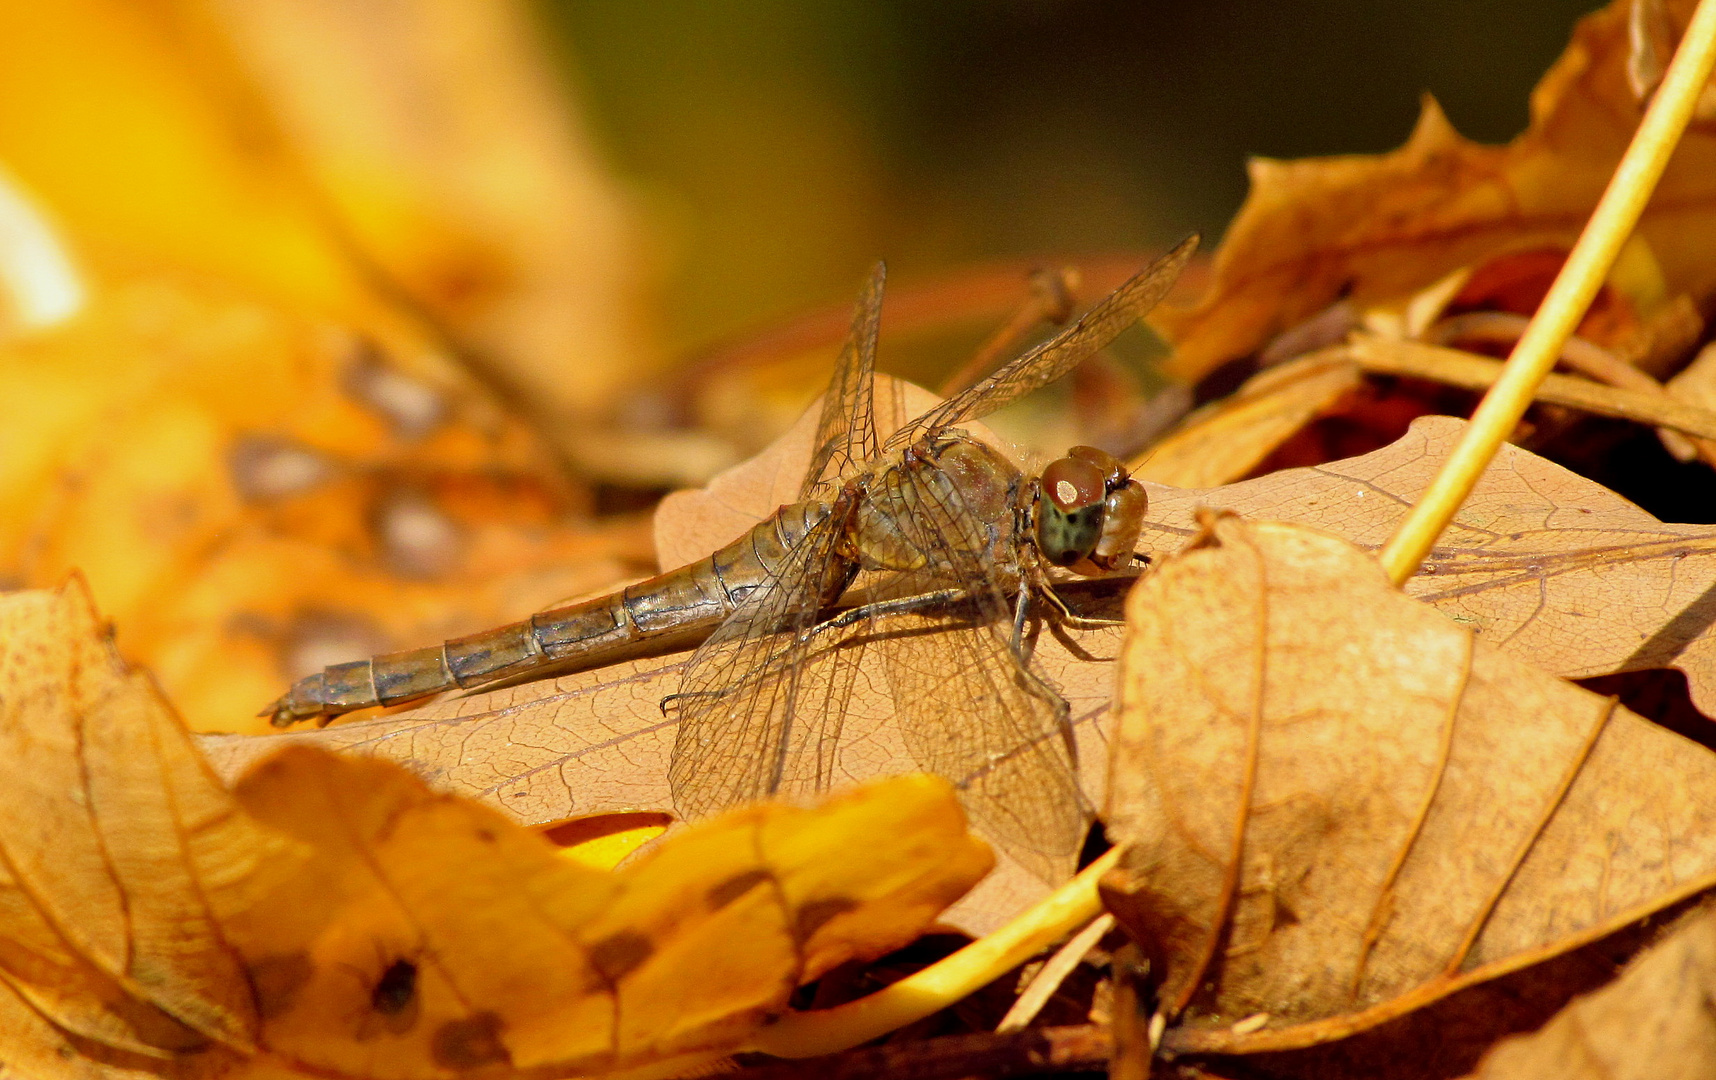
x,y
411,408
396,989
393,1000
276,982
814,915
469,1043
620,953
273,467
734,887
416,538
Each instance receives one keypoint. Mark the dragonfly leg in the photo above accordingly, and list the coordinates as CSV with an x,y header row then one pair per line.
x,y
899,606
1021,608
852,616
1072,618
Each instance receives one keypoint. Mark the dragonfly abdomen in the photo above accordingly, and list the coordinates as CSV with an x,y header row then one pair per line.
x,y
684,600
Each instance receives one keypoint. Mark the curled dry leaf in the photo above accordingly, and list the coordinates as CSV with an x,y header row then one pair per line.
x,y
123,856
335,916
1380,228
1342,806
1226,439
1547,565
1652,1023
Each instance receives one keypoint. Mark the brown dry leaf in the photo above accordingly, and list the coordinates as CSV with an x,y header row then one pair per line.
x,y
1380,228
1547,565
598,741
1652,1023
1226,439
254,494
1342,806
335,916
121,855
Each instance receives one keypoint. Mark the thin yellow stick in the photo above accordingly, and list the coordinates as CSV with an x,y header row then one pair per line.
x,y
1610,225
825,1031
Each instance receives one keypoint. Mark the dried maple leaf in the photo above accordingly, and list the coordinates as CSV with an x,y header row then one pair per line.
x,y
1379,228
1342,806
334,916
1652,1023
1546,564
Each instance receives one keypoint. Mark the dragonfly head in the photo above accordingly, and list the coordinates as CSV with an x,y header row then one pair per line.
x,y
1089,512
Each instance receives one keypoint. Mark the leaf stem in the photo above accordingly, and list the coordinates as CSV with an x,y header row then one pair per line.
x,y
1611,223
1392,356
825,1031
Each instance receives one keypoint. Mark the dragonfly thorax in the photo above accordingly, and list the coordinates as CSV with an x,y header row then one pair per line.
x,y
953,488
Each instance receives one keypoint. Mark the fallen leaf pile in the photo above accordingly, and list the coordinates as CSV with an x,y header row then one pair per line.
x,y
1360,830
1537,551
330,915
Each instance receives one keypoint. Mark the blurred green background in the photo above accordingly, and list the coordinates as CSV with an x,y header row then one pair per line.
x,y
777,147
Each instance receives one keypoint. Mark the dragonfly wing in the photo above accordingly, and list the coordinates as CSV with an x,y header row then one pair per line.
x,y
1061,353
970,708
762,699
846,432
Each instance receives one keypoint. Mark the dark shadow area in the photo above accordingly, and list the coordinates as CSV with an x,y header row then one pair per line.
x,y
1658,694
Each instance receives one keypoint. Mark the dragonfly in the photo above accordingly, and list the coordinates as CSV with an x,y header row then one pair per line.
x,y
952,543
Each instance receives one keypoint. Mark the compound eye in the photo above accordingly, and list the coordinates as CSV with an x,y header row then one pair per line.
x,y
1070,514
1073,485
1113,472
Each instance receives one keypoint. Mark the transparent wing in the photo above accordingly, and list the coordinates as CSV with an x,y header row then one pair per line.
x,y
1061,353
761,702
970,708
846,433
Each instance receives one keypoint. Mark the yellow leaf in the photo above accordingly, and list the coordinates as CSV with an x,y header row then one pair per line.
x,y
149,157
333,914
252,495
332,158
